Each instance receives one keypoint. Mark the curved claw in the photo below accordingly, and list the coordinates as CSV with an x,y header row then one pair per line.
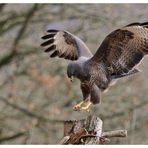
x,y
83,106
86,107
77,107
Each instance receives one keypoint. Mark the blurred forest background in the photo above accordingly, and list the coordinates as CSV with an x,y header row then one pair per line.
x,y
35,94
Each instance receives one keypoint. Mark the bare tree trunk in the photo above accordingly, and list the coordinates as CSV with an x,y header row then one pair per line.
x,y
88,131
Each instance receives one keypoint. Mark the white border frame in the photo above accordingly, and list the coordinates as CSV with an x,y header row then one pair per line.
x,y
73,1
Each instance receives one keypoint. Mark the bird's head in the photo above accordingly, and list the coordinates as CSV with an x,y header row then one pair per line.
x,y
72,70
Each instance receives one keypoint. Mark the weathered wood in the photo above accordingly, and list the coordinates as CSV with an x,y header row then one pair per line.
x,y
88,131
85,131
64,140
117,133
94,126
75,138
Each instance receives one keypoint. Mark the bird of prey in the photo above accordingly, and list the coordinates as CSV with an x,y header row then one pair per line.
x,y
118,56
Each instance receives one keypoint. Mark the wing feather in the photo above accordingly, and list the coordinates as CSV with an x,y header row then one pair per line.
x,y
50,48
124,48
64,45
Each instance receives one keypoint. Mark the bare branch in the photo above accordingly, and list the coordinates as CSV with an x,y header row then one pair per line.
x,y
17,135
7,58
2,7
121,113
24,26
64,140
116,133
28,113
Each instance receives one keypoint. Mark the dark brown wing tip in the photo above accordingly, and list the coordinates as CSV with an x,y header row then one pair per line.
x,y
54,54
52,30
47,36
50,48
47,42
133,24
145,24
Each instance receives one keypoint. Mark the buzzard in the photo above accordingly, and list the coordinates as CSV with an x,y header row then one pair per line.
x,y
117,57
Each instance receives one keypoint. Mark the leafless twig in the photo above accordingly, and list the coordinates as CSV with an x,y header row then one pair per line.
x,y
28,113
116,133
7,58
2,7
17,135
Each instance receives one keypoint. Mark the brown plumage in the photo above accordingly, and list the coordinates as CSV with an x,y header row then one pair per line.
x,y
117,56
124,48
63,45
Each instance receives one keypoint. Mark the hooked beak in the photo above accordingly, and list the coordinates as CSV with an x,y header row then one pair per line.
x,y
71,79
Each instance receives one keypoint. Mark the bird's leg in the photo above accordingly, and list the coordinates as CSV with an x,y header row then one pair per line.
x,y
86,104
78,106
83,105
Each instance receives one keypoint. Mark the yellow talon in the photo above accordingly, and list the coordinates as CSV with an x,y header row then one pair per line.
x,y
78,106
84,106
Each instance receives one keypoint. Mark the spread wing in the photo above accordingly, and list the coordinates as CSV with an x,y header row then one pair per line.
x,y
124,48
64,45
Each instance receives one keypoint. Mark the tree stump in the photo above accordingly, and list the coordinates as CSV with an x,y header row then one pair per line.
x,y
88,131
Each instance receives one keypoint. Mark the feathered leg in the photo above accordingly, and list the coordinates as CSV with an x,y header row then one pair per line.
x,y
95,94
90,95
85,104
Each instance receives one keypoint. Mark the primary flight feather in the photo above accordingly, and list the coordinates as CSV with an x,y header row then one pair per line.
x,y
118,55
